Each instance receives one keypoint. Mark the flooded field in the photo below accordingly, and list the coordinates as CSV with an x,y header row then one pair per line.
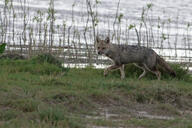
x,y
162,25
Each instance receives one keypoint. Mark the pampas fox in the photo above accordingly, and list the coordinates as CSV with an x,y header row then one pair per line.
x,y
143,57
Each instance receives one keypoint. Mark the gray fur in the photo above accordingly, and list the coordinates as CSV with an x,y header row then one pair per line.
x,y
145,58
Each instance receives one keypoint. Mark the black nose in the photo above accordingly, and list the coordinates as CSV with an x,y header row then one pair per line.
x,y
99,52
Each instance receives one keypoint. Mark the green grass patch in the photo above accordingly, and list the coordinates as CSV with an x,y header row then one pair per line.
x,y
58,116
25,105
44,64
9,114
41,93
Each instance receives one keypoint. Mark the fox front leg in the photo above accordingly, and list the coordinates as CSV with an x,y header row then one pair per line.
x,y
105,72
122,71
110,68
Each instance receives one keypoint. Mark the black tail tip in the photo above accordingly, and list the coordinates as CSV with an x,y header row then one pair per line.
x,y
173,74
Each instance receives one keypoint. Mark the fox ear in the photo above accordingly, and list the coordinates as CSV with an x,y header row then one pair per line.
x,y
107,40
97,39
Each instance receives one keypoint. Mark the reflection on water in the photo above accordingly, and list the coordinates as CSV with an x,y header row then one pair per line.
x,y
177,35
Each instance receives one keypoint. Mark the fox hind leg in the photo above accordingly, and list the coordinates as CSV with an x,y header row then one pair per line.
x,y
154,71
143,68
158,74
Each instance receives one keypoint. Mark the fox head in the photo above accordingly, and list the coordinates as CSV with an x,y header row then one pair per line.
x,y
102,45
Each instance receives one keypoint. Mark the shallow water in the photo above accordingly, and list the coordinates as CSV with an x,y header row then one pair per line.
x,y
131,10
179,12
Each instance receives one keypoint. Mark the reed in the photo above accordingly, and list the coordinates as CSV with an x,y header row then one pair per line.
x,y
42,32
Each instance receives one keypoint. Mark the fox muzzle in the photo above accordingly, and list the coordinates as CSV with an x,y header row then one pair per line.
x,y
99,52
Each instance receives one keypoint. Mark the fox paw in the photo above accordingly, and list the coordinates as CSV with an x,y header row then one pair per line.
x,y
105,73
122,77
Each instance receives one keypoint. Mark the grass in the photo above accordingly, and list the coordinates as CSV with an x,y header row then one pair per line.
x,y
36,93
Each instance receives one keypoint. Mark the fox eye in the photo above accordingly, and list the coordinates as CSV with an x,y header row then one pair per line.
x,y
98,47
103,48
